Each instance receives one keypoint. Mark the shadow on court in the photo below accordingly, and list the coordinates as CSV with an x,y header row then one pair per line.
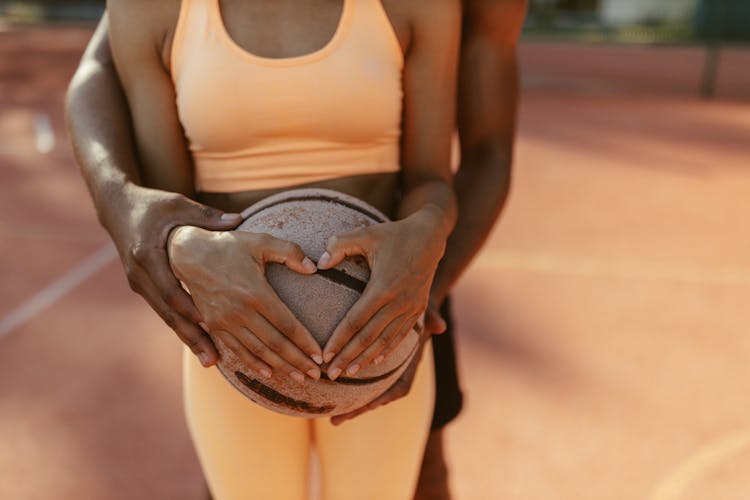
x,y
602,331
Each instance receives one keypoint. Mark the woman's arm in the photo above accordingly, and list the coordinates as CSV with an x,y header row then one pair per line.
x,y
203,259
403,255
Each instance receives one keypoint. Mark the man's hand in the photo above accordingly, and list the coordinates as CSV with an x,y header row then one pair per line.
x,y
434,323
225,273
139,226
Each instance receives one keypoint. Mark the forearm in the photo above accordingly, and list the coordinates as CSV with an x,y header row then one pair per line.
x,y
433,202
99,127
481,192
488,101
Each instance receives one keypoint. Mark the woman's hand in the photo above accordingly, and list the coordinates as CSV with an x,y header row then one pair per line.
x,y
403,256
225,274
398,390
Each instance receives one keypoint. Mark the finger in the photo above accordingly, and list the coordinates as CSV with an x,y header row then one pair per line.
x,y
247,357
259,348
277,348
189,333
361,341
341,246
411,324
340,419
157,268
286,253
434,322
373,353
189,212
397,391
355,319
299,343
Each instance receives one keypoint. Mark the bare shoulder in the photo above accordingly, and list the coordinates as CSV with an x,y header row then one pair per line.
x,y
502,19
426,13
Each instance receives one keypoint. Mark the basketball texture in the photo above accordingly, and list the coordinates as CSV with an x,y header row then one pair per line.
x,y
309,217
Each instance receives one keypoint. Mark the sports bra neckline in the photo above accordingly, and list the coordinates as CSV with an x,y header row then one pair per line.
x,y
335,40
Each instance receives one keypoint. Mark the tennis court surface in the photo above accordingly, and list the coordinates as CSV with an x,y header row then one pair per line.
x,y
603,332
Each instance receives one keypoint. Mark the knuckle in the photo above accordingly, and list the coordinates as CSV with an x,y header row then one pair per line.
x,y
369,337
349,324
192,342
264,239
170,201
206,212
333,242
171,320
133,283
276,344
295,251
170,297
289,328
380,344
252,301
140,253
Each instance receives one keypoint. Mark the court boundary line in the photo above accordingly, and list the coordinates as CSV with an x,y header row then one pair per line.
x,y
614,268
56,290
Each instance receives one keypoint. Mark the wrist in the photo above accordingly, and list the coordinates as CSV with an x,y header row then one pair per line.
x,y
114,200
182,242
432,221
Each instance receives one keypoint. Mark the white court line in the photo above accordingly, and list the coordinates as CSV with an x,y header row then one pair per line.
x,y
44,134
57,290
583,266
700,464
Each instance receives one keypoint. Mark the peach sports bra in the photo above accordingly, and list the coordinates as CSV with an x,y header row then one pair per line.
x,y
255,122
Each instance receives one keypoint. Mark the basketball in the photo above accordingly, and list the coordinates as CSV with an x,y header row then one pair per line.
x,y
309,217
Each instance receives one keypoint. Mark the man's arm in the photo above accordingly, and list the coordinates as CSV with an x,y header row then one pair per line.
x,y
487,107
487,104
137,218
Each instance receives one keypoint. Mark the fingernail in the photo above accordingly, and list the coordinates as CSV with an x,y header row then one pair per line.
x,y
324,259
378,360
297,376
334,373
352,369
328,356
230,217
314,373
309,265
265,373
317,358
204,359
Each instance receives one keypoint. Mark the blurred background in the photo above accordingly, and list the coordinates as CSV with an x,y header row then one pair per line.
x,y
603,331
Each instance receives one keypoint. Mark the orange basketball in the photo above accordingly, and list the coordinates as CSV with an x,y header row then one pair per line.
x,y
309,217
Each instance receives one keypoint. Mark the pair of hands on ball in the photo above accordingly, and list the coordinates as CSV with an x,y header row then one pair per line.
x,y
263,332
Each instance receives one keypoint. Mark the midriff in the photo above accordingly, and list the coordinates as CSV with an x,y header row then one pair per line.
x,y
379,190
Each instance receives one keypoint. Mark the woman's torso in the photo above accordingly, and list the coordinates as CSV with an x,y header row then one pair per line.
x,y
284,30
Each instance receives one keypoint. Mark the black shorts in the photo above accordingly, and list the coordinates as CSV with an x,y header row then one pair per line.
x,y
448,397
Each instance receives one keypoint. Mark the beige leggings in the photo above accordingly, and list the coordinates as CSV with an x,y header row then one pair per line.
x,y
248,452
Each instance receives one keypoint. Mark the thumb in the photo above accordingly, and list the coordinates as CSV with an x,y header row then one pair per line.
x,y
286,253
344,245
209,218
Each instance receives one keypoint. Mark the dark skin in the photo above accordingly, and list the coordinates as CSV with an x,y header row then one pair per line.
x,y
140,218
